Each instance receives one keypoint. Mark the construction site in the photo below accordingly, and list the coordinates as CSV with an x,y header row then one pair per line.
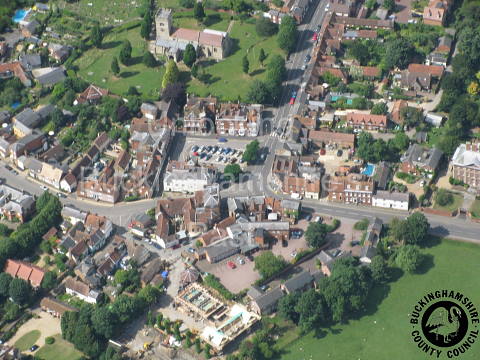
x,y
225,321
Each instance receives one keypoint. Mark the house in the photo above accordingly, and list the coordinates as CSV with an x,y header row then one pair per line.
x,y
238,119
267,303
465,164
28,144
311,189
188,180
220,251
30,28
192,214
92,95
68,183
73,215
369,248
395,114
50,175
369,122
59,52
199,114
436,12
299,282
382,175
420,77
14,69
122,162
25,121
275,16
351,189
15,204
419,159
366,72
81,290
342,8
324,138
49,76
172,42
327,260
151,272
391,200
444,44
30,61
25,271
55,307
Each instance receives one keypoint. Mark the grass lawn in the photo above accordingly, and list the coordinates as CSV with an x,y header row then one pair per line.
x,y
475,209
27,340
59,350
226,79
456,203
215,20
383,332
94,65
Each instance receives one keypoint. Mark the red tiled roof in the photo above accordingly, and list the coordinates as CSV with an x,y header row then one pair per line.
x,y
210,39
25,271
357,118
371,71
433,70
186,34
17,69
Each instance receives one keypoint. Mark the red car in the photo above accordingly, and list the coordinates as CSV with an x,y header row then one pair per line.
x,y
315,37
292,100
231,265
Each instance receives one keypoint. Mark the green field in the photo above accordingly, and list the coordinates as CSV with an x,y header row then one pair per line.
x,y
475,209
456,203
59,350
27,340
226,79
383,332
95,64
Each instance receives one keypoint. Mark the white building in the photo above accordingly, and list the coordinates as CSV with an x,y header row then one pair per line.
x,y
81,290
391,200
188,180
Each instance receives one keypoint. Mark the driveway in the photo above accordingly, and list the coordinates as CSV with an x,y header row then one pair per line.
x,y
46,324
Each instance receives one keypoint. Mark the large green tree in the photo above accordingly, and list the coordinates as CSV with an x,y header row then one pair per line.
x,y
149,60
171,75
286,307
245,64
312,310
316,234
232,172
198,11
20,291
251,152
287,34
125,53
267,264
96,36
379,269
114,66
408,258
265,27
399,53
258,93
189,55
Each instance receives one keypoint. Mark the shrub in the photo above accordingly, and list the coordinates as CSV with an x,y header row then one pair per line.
x,y
49,340
362,224
444,197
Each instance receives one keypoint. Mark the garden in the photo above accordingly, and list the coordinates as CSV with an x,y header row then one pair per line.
x,y
447,200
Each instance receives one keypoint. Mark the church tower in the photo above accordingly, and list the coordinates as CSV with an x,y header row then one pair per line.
x,y
163,23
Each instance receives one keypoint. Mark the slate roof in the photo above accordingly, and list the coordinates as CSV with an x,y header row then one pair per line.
x,y
298,281
269,299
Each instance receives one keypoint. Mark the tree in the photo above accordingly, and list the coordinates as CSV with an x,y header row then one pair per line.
x,y
401,141
194,71
276,70
125,52
469,45
149,60
189,55
360,52
473,89
370,4
287,34
251,152
171,74
268,264
175,92
150,294
49,281
232,171
443,197
408,258
258,93
245,64
265,27
198,346
261,56
379,108
311,309
379,269
411,116
389,5
5,280
114,66
316,234
187,4
399,53
105,322
20,291
417,228
96,36
286,307
198,11
146,26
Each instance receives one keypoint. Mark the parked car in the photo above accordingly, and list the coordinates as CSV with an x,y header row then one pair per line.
x,y
307,58
191,250
61,195
231,265
294,94
222,140
315,37
292,101
194,148
240,261
43,187
339,153
8,167
318,219
34,347
308,217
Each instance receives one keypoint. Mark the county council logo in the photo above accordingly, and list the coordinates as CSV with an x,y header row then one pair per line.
x,y
445,324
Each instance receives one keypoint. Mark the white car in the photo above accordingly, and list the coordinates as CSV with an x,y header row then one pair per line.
x,y
44,188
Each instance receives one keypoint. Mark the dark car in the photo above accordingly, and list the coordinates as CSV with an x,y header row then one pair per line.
x,y
8,167
223,140
308,217
194,148
33,348
307,58
339,153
